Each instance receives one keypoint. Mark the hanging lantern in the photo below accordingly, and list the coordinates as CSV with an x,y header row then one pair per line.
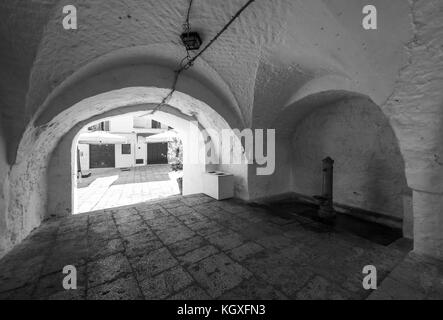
x,y
191,40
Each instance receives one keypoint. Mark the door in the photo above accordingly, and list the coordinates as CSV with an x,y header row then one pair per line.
x,y
158,153
102,156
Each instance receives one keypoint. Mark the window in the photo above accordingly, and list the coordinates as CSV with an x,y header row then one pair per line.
x,y
102,126
126,149
156,125
105,126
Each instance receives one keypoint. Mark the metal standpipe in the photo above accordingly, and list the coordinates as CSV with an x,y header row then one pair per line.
x,y
326,210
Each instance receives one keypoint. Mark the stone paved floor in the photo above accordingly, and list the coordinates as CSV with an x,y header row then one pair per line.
x,y
415,278
192,248
111,188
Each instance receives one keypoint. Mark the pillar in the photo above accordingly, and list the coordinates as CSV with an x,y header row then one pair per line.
x,y
428,223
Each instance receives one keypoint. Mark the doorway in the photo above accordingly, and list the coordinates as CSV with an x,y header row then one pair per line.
x,y
158,153
102,156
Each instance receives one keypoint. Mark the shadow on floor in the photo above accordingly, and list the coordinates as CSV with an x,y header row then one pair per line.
x,y
196,248
377,233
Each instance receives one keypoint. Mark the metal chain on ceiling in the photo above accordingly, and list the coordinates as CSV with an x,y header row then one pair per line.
x,y
190,60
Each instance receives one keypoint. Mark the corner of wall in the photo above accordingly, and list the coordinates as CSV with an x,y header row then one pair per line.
x,y
5,244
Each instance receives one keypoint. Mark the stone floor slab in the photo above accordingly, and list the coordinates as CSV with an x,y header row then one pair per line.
x,y
187,245
197,255
166,283
175,234
245,251
319,288
193,292
153,263
107,269
141,243
125,288
218,274
226,239
52,284
194,247
254,289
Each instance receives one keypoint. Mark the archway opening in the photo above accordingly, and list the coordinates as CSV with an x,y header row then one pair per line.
x,y
125,160
42,177
194,126
369,182
369,174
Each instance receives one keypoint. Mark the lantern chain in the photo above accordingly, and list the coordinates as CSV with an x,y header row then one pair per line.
x,y
188,61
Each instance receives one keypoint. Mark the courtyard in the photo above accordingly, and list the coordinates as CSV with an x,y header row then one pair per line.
x,y
111,187
193,247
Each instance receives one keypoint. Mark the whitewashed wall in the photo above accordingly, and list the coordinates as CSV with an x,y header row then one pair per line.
x,y
4,172
84,156
125,160
369,169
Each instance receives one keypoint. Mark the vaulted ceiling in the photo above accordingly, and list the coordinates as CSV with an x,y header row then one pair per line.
x,y
278,53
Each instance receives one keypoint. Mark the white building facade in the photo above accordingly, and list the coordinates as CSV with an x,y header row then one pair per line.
x,y
136,151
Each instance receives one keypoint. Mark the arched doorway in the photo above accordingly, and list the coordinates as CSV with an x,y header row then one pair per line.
x,y
42,175
128,159
180,116
369,173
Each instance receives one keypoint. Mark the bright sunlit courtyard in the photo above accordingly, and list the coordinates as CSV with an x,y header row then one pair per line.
x,y
111,187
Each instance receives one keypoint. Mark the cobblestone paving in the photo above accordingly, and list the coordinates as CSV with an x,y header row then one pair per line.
x,y
192,248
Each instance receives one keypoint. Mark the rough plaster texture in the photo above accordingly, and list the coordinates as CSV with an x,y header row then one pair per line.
x,y
280,181
4,186
21,29
279,58
368,169
291,38
428,223
415,109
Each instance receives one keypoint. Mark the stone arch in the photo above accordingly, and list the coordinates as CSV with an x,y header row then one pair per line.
x,y
380,137
369,167
62,169
107,85
143,66
113,103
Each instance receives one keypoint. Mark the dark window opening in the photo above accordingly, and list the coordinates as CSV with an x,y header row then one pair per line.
x,y
126,149
156,125
102,126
